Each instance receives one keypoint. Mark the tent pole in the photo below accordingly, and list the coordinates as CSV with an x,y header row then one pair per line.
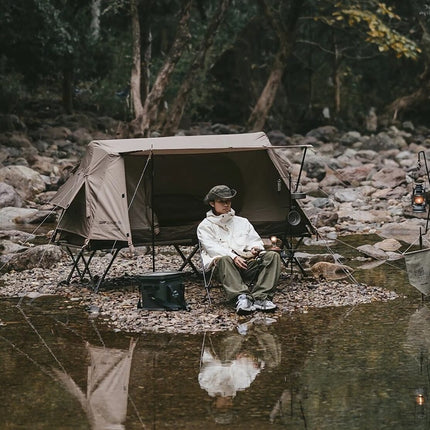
x,y
152,213
300,172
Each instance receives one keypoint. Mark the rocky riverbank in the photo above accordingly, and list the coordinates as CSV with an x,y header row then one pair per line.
x,y
117,301
355,183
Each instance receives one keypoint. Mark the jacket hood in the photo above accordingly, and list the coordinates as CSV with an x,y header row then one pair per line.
x,y
222,219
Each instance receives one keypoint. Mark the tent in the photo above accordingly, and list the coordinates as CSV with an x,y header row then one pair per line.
x,y
130,192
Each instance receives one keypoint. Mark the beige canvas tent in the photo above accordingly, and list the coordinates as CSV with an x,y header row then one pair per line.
x,y
130,192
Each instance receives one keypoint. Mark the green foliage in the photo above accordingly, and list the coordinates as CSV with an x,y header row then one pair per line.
x,y
378,32
42,38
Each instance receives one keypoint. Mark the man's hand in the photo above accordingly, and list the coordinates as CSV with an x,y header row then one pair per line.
x,y
255,251
240,262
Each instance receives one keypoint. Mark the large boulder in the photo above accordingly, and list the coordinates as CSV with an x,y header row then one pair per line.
x,y
51,134
350,137
27,182
10,122
373,252
9,214
44,165
389,177
316,165
8,196
278,138
354,175
407,231
15,140
16,236
44,256
326,133
9,247
81,135
39,217
383,141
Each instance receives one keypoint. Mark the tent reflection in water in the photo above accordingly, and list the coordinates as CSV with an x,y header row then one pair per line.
x,y
107,386
418,333
418,269
130,192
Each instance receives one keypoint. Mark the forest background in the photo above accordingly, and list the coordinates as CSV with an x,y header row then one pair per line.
x,y
162,65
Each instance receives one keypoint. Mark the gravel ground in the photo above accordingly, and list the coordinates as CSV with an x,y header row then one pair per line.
x,y
116,302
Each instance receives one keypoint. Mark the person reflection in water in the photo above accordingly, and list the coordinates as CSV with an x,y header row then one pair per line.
x,y
234,364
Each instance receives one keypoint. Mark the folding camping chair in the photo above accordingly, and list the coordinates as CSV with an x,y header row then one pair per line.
x,y
207,274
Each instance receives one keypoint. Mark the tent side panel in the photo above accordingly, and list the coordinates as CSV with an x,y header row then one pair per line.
x,y
74,218
107,200
67,192
138,182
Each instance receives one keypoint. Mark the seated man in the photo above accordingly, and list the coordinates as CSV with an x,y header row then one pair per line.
x,y
231,243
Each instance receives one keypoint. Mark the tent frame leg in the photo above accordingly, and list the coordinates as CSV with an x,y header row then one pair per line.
x,y
98,281
102,278
187,259
80,256
288,255
75,258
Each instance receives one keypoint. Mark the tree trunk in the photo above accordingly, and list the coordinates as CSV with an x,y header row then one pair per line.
x,y
147,53
67,97
286,36
261,109
136,66
177,110
143,122
336,78
407,102
422,94
95,19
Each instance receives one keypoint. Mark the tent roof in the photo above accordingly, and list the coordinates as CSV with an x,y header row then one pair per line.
x,y
186,144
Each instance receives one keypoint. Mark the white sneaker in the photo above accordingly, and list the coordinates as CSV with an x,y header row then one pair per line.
x,y
264,305
244,305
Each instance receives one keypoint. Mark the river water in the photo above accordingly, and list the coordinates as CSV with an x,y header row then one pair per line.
x,y
359,367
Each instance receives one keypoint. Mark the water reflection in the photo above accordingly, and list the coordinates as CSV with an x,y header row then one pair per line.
x,y
418,345
48,352
231,364
358,367
418,332
105,402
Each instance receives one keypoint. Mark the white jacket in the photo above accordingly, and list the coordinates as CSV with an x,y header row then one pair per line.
x,y
226,235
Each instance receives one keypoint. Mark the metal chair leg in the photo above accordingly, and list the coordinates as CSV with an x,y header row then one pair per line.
x,y
187,260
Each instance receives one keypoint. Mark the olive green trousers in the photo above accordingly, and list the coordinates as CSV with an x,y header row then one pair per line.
x,y
258,281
